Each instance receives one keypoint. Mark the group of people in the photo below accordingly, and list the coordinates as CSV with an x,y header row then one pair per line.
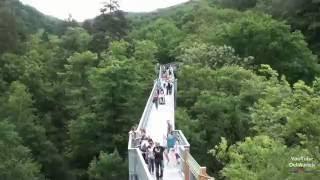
x,y
152,152
167,78
137,136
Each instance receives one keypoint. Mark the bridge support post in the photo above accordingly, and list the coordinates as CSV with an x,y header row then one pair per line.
x,y
203,173
175,92
132,162
186,166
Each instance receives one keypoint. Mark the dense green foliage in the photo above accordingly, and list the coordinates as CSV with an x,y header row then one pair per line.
x,y
223,88
301,14
270,42
248,100
18,21
16,162
259,157
63,104
107,167
109,26
164,34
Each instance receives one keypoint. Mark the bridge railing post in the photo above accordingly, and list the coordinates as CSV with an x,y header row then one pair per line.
x,y
132,164
186,165
203,173
175,92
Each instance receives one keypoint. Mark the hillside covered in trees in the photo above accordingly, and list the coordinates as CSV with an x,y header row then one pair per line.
x,y
248,96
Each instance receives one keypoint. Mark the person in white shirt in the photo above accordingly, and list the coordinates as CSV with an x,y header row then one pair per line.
x,y
150,156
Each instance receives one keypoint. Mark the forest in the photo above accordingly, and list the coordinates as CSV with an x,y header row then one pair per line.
x,y
248,93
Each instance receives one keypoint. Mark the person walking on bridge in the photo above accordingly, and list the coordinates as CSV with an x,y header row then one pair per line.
x,y
169,87
159,85
158,159
157,68
155,100
150,156
169,127
171,142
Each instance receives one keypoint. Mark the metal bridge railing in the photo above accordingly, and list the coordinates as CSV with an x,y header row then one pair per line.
x,y
182,140
138,169
145,115
189,167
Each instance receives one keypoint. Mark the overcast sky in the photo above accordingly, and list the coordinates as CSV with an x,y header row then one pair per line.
x,y
84,9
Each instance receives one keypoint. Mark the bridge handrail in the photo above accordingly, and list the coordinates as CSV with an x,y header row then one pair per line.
x,y
137,166
188,161
147,109
144,169
182,140
187,158
193,165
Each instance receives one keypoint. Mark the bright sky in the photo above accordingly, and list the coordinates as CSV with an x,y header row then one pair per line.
x,y
85,9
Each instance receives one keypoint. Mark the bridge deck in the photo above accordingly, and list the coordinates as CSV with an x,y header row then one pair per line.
x,y
157,129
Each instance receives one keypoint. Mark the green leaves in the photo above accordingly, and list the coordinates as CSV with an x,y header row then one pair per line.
x,y
260,157
216,104
301,14
60,99
270,42
164,34
237,104
107,96
75,79
16,162
236,4
289,115
211,56
119,49
19,111
107,166
76,39
53,92
145,50
9,33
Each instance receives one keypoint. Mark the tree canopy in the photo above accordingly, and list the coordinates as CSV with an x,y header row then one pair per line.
x,y
248,95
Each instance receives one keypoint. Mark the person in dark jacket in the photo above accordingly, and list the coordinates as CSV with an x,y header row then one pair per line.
x,y
155,100
158,159
168,88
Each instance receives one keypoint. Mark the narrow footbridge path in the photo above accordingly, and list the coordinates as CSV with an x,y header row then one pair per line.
x,y
154,121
